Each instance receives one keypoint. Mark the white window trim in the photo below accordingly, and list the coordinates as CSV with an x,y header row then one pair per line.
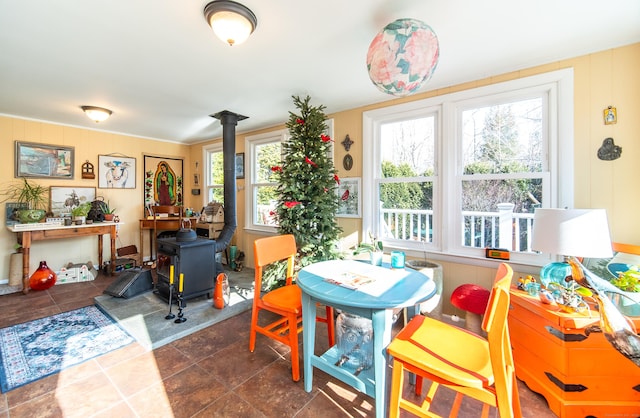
x,y
250,144
559,87
206,174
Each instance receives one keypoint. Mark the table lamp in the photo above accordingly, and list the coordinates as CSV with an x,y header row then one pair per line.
x,y
569,232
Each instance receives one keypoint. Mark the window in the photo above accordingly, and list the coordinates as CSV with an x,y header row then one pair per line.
x,y
213,174
265,151
465,171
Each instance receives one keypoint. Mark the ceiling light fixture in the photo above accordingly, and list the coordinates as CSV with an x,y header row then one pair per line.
x,y
96,114
231,22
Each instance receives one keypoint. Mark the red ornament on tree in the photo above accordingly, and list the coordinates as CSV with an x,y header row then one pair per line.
x,y
43,278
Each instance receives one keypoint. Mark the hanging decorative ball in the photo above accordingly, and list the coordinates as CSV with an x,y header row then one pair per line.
x,y
43,278
403,56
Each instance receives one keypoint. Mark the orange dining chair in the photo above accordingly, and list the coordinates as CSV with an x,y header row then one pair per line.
x,y
285,301
459,359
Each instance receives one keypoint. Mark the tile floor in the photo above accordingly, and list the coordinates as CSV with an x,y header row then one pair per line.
x,y
210,373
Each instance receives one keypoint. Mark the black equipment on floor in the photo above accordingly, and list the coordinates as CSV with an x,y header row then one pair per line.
x,y
131,283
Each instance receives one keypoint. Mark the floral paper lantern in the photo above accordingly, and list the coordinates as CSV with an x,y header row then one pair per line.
x,y
403,56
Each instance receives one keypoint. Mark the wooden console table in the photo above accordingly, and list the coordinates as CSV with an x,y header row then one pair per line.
x,y
41,232
575,368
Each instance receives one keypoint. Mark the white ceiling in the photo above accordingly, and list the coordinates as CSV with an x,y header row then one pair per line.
x,y
159,67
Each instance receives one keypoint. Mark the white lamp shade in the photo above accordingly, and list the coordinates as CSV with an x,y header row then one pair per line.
x,y
231,27
572,232
96,114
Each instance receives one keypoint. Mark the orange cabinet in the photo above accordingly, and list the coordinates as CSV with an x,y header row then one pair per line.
x,y
574,367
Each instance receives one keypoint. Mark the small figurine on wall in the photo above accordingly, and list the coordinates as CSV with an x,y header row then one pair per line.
x,y
610,115
609,151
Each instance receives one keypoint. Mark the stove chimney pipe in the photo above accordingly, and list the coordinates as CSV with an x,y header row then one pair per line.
x,y
229,120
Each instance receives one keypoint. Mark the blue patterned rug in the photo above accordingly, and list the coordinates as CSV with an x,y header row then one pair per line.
x,y
40,348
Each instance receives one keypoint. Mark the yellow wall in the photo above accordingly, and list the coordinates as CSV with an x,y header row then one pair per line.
x,y
601,79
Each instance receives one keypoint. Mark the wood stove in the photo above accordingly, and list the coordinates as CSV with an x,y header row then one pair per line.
x,y
194,259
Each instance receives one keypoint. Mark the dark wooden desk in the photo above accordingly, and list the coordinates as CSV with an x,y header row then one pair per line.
x,y
164,224
41,232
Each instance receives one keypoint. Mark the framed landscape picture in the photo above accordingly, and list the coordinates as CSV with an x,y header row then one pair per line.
x,y
43,160
63,199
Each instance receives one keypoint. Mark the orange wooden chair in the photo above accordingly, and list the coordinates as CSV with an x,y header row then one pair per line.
x,y
458,359
285,301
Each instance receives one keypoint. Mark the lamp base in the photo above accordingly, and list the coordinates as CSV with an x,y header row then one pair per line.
x,y
555,272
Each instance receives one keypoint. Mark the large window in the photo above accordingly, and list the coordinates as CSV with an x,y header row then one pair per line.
x,y
465,171
265,152
213,174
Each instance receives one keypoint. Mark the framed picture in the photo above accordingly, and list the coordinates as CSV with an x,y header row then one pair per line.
x,y
63,199
43,161
163,181
349,194
12,209
116,172
240,165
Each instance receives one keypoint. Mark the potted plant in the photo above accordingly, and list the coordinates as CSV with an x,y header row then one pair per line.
x,y
80,212
31,195
109,212
374,247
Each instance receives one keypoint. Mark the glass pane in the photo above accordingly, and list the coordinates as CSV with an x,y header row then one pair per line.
x,y
406,211
217,169
505,138
407,147
267,156
216,194
499,213
266,201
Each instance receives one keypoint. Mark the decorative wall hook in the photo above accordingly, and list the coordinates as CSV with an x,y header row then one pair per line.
x,y
347,142
609,151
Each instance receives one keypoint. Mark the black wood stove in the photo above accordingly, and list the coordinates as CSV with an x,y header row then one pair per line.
x,y
195,259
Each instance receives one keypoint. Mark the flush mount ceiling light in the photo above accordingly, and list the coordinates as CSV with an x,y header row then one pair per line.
x,y
96,114
232,22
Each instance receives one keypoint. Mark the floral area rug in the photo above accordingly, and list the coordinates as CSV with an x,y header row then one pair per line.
x,y
35,349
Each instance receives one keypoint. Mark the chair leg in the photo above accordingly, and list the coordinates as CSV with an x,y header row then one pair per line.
x,y
397,383
254,325
456,405
331,326
293,343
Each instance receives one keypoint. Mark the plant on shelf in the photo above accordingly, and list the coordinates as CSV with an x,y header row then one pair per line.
x,y
81,211
628,281
31,195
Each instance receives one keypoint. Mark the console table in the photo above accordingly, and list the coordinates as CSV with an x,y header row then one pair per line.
x,y
28,233
575,368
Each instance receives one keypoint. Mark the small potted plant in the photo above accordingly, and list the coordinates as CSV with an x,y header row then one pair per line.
x,y
31,195
109,213
374,247
80,212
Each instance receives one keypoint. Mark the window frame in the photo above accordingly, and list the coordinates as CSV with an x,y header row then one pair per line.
x,y
558,143
207,151
251,142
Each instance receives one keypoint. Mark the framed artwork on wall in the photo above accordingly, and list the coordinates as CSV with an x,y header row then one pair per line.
x,y
349,194
43,160
63,199
116,172
240,165
163,181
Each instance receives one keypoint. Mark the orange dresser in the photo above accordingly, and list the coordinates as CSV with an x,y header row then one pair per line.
x,y
577,371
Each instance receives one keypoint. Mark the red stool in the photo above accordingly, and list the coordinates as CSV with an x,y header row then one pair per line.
x,y
472,299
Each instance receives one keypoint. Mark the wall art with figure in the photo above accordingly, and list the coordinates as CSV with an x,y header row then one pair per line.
x,y
163,181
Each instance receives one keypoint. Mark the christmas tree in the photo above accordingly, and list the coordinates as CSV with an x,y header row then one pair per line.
x,y
307,183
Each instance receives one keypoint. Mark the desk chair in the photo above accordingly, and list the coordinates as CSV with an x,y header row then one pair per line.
x,y
158,212
458,359
285,301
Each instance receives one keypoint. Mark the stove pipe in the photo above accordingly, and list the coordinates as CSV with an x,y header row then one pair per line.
x,y
229,120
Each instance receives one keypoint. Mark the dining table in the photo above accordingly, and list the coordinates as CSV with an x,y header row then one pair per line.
x,y
366,290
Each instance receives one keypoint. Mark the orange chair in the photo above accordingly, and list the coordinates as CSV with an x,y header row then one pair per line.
x,y
458,359
285,301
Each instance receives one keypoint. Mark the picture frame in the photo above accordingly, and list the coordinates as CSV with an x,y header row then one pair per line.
x,y
349,196
239,165
168,192
116,172
11,209
64,198
43,160
610,115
